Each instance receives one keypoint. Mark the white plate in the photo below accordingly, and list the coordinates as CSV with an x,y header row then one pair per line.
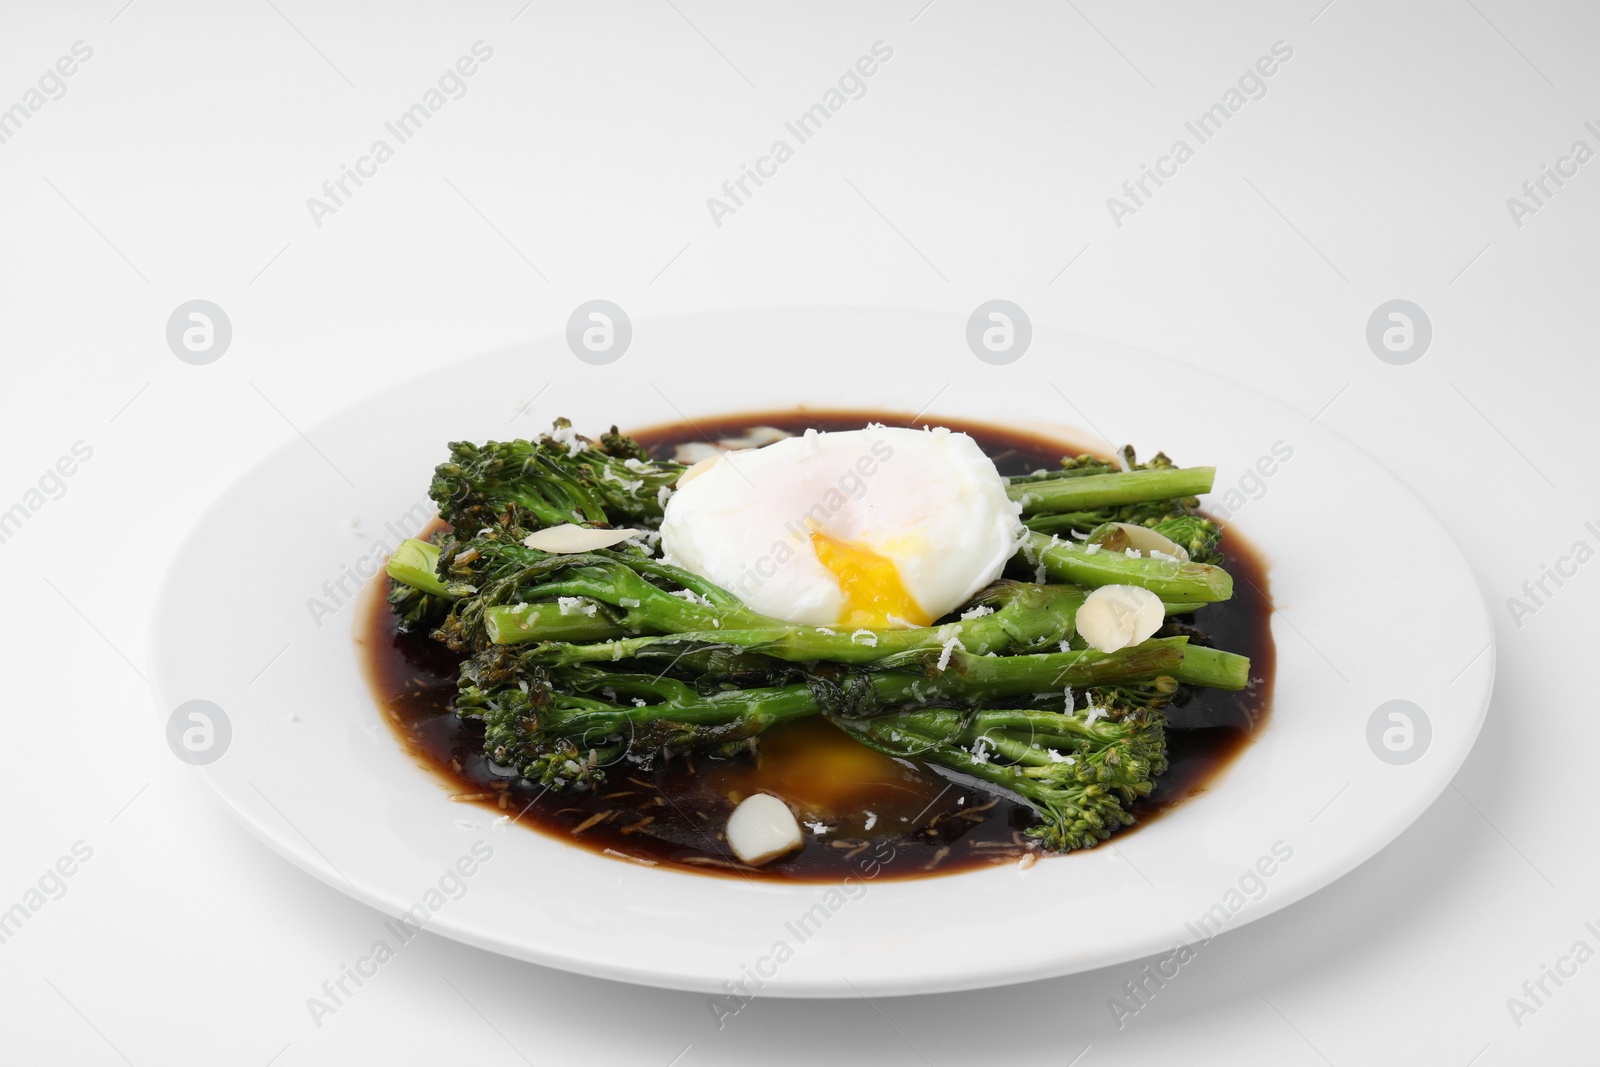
x,y
1391,613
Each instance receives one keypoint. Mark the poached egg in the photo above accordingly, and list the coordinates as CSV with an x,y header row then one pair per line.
x,y
875,528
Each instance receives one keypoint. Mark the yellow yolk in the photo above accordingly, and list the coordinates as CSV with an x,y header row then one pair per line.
x,y
870,583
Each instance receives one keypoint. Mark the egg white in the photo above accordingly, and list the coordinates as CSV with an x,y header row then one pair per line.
x,y
929,500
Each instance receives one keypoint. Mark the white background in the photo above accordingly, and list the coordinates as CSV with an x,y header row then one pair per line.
x,y
1377,166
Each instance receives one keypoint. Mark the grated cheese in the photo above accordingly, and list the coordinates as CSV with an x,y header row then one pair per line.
x,y
566,435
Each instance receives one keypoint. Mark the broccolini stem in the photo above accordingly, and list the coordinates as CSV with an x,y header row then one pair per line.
x,y
970,678
1021,615
1213,667
1067,561
1036,724
416,563
548,620
1092,491
967,675
677,703
1018,615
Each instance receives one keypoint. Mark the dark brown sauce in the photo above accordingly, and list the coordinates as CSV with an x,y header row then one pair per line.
x,y
883,817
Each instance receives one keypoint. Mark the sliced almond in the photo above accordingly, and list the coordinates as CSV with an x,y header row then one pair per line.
x,y
1143,539
695,451
567,539
1116,616
699,468
755,437
762,828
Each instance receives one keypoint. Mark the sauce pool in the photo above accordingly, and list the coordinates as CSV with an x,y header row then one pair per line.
x,y
863,813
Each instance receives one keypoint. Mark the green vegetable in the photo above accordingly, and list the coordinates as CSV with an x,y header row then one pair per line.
x,y
1073,511
1088,492
560,478
575,662
1082,564
1080,776
537,714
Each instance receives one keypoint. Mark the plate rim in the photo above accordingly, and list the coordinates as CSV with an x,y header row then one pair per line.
x,y
448,924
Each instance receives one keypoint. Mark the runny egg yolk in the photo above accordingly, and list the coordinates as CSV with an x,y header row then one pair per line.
x,y
871,585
